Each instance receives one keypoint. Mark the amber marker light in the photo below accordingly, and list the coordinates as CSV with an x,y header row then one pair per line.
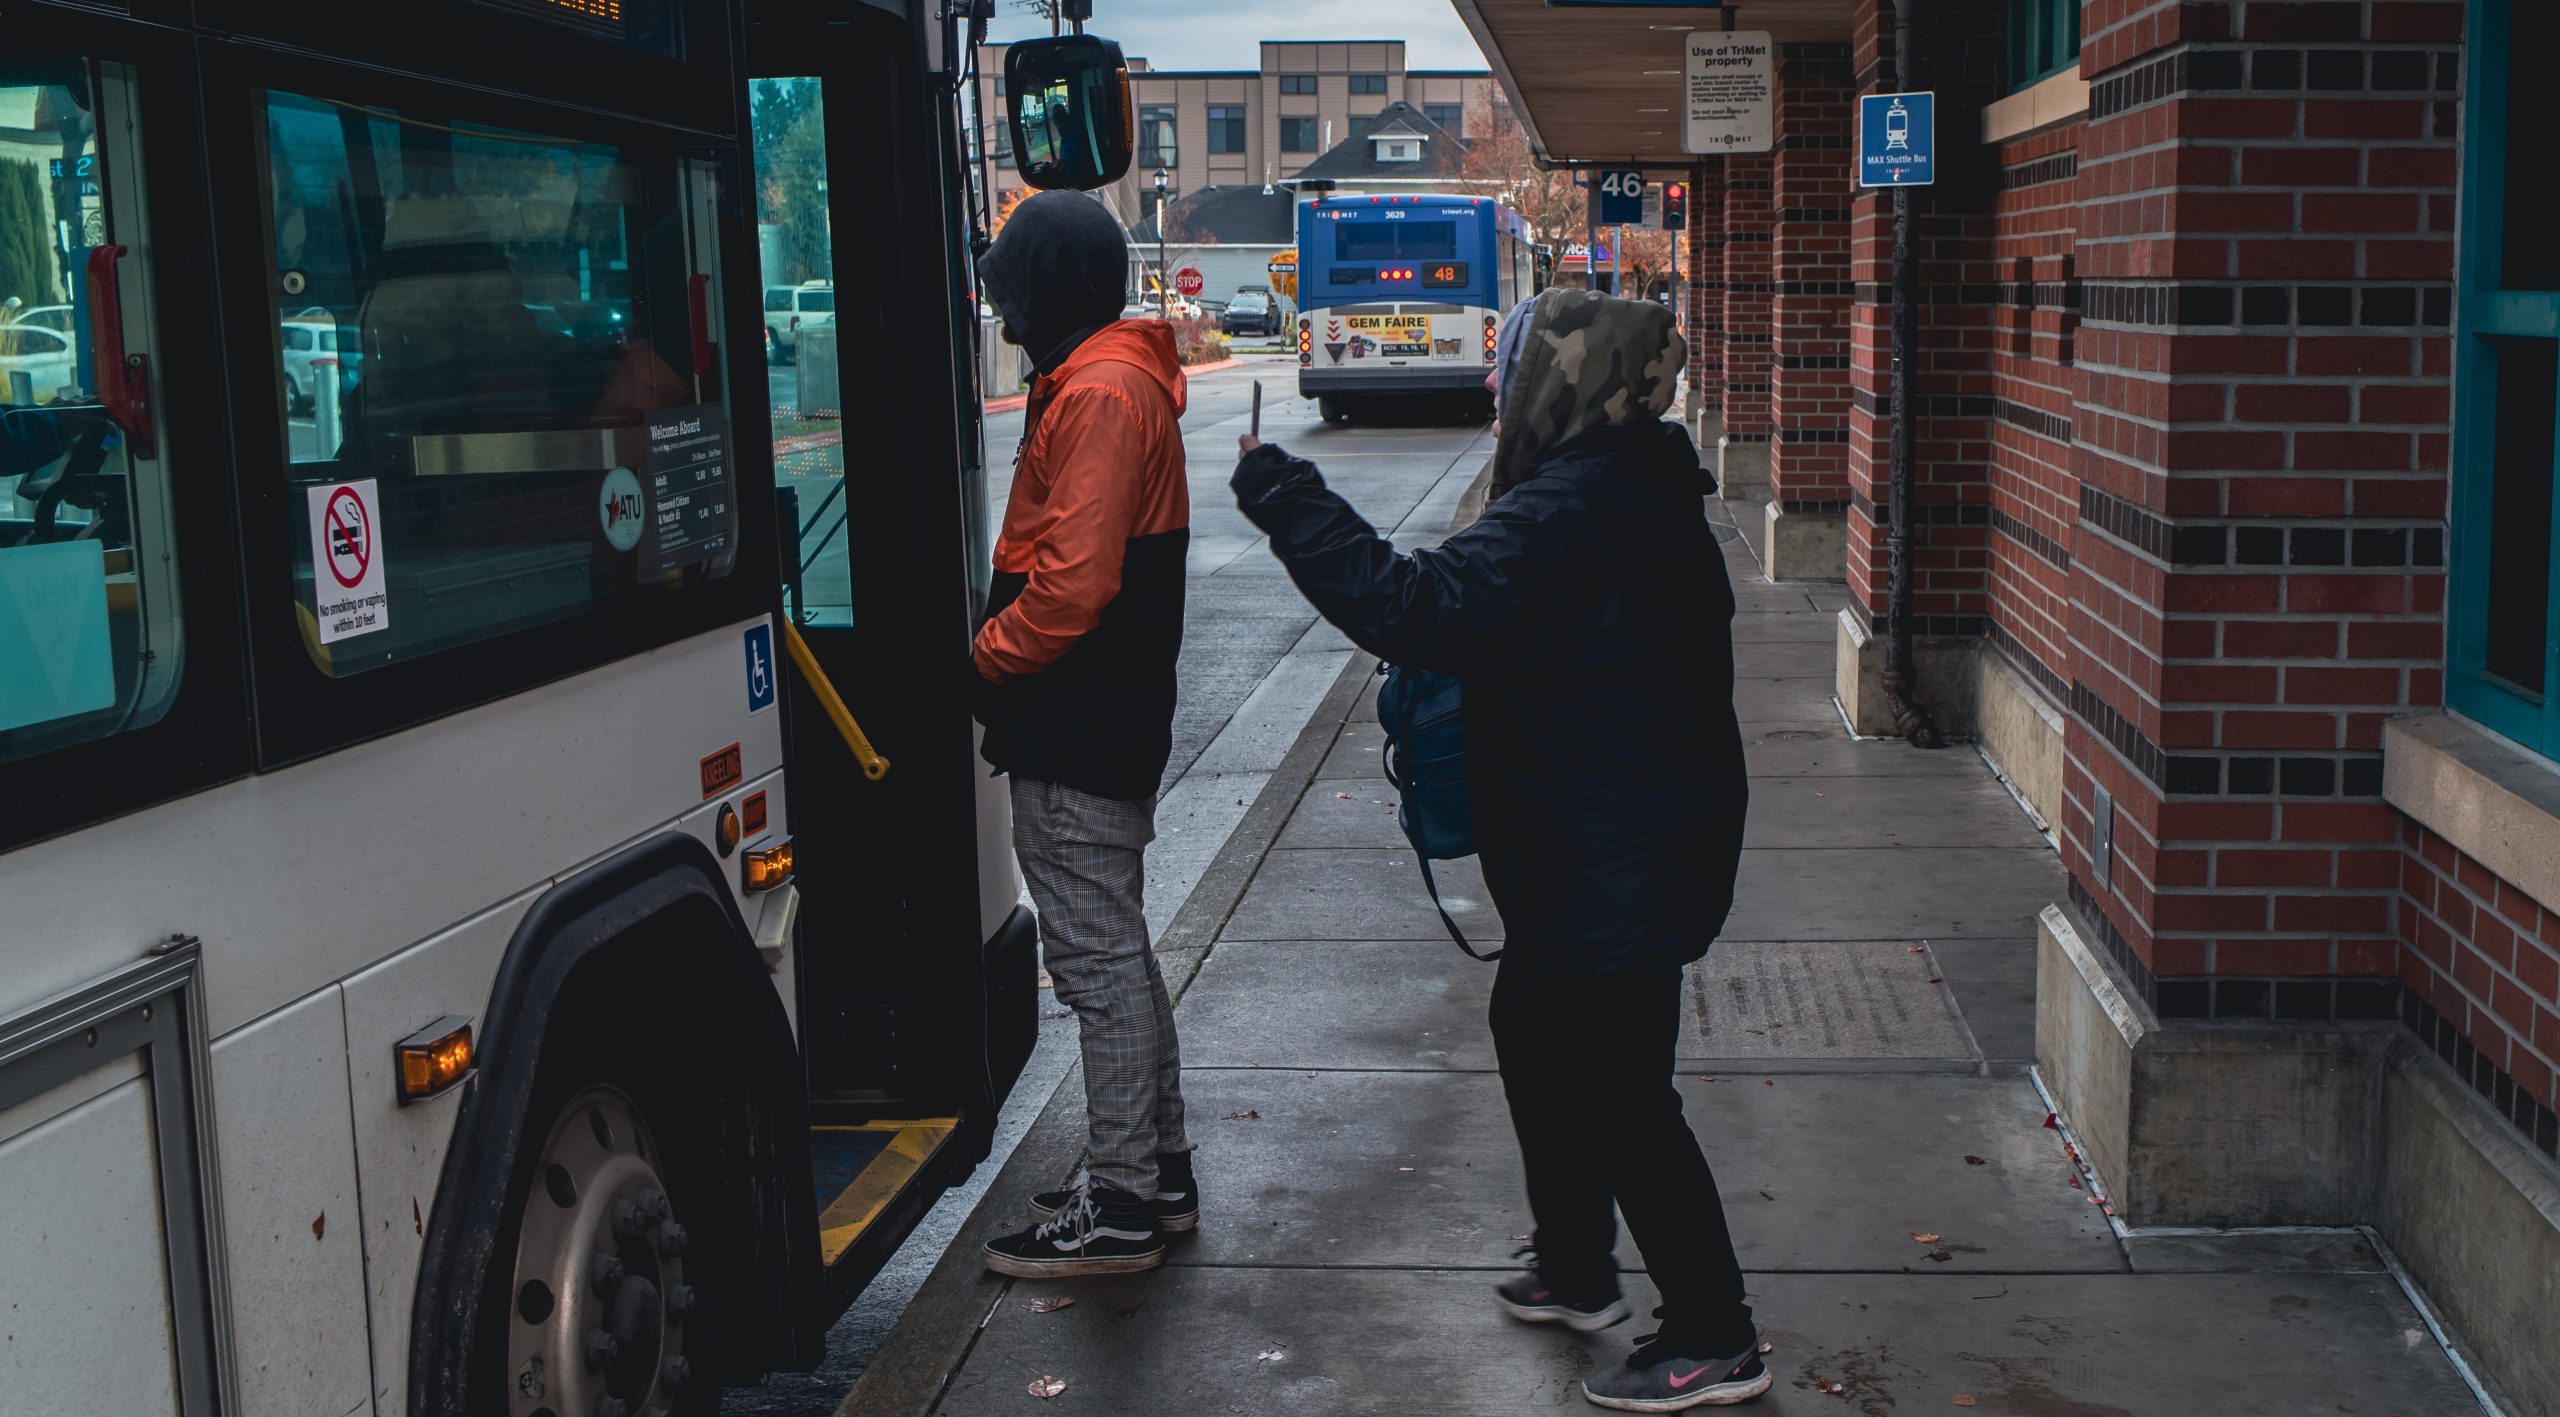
x,y
434,1058
766,867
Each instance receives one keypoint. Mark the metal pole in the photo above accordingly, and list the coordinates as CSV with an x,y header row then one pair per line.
x,y
1590,248
1618,262
1901,679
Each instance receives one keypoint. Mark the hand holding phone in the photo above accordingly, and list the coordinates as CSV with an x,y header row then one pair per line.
x,y
1257,408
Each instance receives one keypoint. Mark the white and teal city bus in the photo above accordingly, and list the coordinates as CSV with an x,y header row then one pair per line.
x,y
1401,295
457,954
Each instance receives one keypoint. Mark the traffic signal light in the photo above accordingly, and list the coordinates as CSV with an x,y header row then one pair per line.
x,y
1675,206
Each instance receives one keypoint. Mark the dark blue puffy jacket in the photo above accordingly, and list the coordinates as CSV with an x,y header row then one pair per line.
x,y
1589,615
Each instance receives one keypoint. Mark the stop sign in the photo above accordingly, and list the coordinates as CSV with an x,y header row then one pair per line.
x,y
1188,281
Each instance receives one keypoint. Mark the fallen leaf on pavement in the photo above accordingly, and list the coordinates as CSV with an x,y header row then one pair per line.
x,y
1962,1399
1252,1116
1975,1161
1913,949
1925,1239
1268,1355
1046,1388
1768,1348
1941,1256
1768,1082
1936,978
1050,1305
1835,1389
1345,796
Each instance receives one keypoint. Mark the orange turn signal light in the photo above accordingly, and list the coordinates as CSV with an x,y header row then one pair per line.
x,y
766,867
434,1058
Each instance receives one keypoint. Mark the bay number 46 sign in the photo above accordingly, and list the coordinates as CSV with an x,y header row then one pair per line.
x,y
1617,197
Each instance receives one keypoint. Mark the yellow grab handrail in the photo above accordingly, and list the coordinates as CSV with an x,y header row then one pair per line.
x,y
874,766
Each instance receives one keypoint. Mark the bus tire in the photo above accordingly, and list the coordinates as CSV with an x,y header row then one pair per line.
x,y
1333,408
589,1299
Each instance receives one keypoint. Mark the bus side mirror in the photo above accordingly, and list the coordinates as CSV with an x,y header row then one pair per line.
x,y
1068,98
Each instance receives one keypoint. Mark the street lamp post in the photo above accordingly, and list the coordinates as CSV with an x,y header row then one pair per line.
x,y
1164,278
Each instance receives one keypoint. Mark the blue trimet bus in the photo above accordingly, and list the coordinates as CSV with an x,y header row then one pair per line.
x,y
1401,295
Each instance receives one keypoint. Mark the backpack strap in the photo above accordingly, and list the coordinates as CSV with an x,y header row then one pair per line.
x,y
1433,885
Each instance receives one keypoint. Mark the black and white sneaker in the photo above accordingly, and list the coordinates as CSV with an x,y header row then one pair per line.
x,y
1177,1202
1528,1297
1661,1377
1097,1230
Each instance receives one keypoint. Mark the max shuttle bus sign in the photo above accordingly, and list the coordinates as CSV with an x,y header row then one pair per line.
x,y
1897,139
347,598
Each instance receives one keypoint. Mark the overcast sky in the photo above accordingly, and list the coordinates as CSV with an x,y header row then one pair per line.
x,y
1222,34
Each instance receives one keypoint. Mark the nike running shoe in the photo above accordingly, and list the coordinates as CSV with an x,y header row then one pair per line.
x,y
1660,1377
1531,1299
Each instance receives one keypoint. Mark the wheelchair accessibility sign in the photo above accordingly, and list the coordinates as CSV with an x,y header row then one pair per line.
x,y
760,668
1897,139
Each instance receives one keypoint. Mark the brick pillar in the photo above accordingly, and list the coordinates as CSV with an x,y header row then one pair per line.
x,y
1744,456
1809,314
1952,384
2265,244
2260,429
1703,313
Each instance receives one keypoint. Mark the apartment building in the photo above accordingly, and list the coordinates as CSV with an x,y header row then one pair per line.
x,y
1237,127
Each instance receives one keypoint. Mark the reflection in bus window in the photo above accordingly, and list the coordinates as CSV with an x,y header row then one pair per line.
x,y
790,127
496,369
90,629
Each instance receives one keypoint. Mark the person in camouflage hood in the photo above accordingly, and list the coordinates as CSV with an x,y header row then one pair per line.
x,y
1588,617
1572,361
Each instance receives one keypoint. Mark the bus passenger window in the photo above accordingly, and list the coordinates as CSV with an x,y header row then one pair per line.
x,y
90,627
790,122
497,373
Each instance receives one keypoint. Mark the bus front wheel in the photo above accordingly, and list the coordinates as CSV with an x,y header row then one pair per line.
x,y
596,1311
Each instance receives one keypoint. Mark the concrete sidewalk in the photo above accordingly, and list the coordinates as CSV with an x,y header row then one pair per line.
x,y
1856,1058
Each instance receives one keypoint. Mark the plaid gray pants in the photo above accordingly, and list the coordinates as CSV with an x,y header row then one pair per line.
x,y
1084,858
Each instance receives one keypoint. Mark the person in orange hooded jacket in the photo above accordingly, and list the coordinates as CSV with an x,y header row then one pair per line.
x,y
1073,675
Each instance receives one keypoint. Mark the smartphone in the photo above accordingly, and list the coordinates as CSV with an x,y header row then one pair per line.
x,y
1257,408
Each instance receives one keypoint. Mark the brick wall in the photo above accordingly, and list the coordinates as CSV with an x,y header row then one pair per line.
x,y
1704,317
1747,276
2482,964
2258,430
2035,493
1809,309
1961,61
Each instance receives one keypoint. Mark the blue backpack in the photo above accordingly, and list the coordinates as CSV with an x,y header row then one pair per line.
x,y
1427,762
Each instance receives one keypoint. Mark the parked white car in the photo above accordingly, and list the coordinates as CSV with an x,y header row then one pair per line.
x,y
57,318
306,338
42,358
789,309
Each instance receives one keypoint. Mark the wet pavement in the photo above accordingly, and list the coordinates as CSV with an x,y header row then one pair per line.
x,y
1857,1060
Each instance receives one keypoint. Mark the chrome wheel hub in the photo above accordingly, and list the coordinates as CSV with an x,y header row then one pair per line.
x,y
597,1311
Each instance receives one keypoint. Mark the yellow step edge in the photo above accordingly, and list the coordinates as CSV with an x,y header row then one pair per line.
x,y
880,1180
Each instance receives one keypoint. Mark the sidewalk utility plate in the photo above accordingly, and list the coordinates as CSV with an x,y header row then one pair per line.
x,y
1817,999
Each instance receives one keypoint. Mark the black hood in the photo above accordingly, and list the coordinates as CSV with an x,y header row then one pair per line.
x,y
1056,273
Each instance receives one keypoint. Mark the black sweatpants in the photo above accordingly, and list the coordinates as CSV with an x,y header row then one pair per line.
x,y
1586,1063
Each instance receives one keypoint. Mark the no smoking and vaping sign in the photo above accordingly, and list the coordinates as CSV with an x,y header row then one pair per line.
x,y
346,561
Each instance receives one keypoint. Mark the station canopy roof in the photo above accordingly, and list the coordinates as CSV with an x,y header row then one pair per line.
x,y
1602,83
